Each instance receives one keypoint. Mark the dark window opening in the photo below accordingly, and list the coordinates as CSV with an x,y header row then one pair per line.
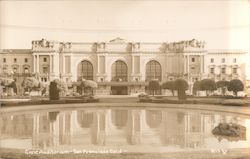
x,y
153,71
119,71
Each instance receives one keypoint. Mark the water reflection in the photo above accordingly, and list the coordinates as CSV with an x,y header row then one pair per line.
x,y
131,129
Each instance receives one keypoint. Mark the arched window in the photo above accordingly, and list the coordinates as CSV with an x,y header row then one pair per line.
x,y
119,71
153,71
85,70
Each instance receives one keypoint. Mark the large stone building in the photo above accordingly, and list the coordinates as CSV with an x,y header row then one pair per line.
x,y
121,67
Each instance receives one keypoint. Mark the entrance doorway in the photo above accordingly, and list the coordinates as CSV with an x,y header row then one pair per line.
x,y
119,90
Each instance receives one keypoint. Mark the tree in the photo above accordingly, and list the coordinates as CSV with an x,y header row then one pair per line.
x,y
170,85
62,87
153,86
31,83
235,85
86,86
89,86
223,85
53,91
8,83
181,86
196,87
207,85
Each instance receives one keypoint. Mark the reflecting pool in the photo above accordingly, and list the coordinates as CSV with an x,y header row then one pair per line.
x,y
127,129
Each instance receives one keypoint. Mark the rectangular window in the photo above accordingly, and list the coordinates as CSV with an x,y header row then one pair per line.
x,y
223,70
235,60
25,60
45,69
15,60
4,70
223,60
212,70
193,59
4,60
15,70
26,70
44,59
212,60
234,70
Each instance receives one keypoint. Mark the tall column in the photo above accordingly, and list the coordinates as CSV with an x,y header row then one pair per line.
x,y
37,64
201,64
63,64
133,62
98,64
185,63
34,63
105,64
188,67
50,63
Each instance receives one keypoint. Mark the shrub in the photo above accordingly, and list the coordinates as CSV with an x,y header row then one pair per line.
x,y
170,85
53,91
31,83
6,81
223,85
207,85
62,87
235,85
181,86
153,86
196,87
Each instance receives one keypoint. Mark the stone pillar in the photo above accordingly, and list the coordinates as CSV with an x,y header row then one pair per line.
x,y
105,64
63,64
185,63
188,67
50,63
98,65
201,64
133,62
34,63
37,64
53,63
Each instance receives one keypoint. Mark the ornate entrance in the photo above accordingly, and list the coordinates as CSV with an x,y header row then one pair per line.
x,y
119,90
119,72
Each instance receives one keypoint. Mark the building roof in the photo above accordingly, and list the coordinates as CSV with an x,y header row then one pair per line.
x,y
226,51
16,51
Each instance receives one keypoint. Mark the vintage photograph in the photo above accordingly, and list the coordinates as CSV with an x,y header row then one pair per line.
x,y
127,79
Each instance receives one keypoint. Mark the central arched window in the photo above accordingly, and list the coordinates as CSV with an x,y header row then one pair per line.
x,y
85,70
153,71
119,71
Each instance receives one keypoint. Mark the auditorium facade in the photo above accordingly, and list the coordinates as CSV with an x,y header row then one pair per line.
x,y
123,67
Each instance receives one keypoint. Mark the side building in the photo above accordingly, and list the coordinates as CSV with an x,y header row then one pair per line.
x,y
121,67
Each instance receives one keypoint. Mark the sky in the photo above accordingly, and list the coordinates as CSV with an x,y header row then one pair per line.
x,y
223,24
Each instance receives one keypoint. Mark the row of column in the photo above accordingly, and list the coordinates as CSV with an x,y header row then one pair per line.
x,y
36,63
